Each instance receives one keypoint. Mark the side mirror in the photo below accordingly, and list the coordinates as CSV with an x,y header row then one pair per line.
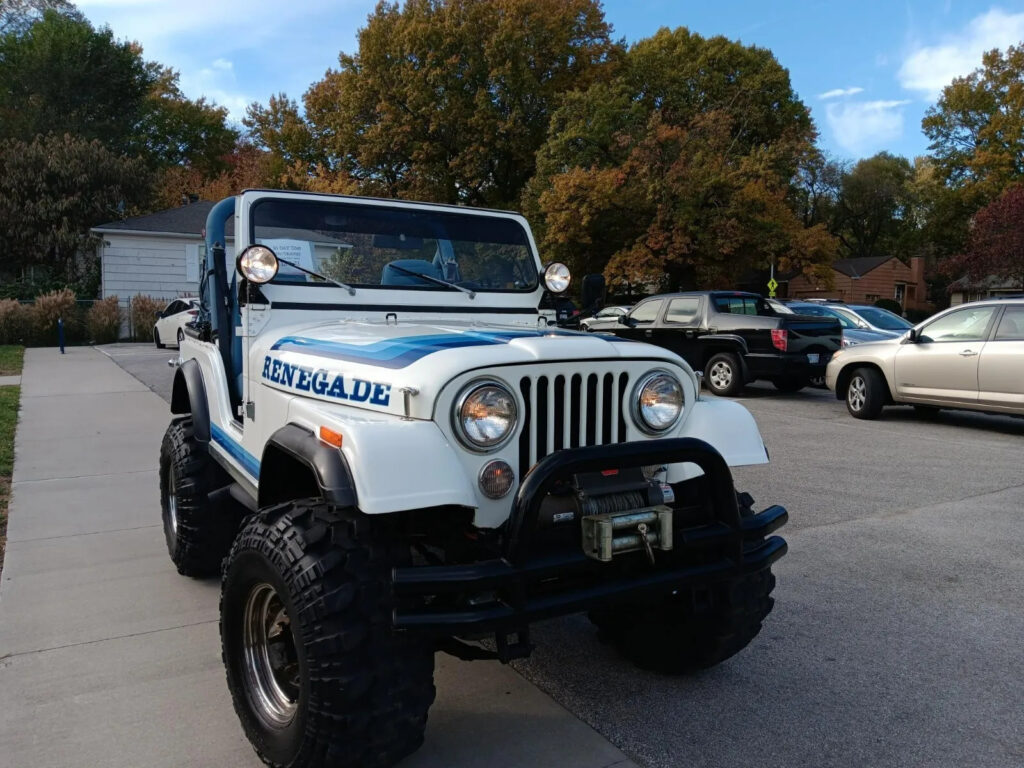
x,y
912,336
592,293
626,320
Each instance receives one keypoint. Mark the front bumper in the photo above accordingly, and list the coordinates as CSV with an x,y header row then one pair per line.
x,y
528,582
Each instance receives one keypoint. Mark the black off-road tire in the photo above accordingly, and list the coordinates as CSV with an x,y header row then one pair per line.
x,y
359,693
790,384
694,629
723,374
865,393
198,529
156,338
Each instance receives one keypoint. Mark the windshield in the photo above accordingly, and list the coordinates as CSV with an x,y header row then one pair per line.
x,y
369,246
881,318
818,311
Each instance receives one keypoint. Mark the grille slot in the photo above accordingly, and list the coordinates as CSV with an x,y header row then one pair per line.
x,y
570,411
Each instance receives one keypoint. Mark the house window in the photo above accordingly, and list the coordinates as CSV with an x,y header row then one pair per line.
x,y
899,292
871,298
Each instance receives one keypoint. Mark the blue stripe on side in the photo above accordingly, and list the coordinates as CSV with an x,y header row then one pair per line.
x,y
399,353
235,451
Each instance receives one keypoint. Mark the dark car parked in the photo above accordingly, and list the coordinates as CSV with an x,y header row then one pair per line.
x,y
734,337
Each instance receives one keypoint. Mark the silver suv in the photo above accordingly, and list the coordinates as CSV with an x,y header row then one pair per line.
x,y
968,356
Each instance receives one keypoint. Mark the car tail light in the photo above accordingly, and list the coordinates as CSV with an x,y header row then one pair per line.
x,y
193,313
780,339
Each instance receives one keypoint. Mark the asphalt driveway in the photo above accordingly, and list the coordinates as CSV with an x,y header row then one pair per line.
x,y
898,632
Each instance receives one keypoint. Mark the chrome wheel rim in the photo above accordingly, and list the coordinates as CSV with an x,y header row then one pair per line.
x,y
271,664
720,375
172,501
857,394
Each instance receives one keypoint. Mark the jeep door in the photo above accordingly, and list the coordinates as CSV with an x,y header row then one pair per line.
x,y
1001,364
942,365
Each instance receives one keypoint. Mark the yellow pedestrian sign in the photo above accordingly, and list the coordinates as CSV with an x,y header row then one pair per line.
x,y
772,285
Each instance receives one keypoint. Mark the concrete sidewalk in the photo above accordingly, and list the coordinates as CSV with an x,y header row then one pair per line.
x,y
109,658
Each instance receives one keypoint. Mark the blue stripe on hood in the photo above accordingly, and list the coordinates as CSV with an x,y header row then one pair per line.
x,y
399,353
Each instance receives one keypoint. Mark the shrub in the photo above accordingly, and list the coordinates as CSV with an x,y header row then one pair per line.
x,y
14,322
104,320
891,305
144,313
48,308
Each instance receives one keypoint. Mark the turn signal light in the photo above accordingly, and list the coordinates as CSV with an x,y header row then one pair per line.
x,y
330,437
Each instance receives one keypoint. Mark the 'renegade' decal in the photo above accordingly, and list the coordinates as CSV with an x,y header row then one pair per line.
x,y
319,381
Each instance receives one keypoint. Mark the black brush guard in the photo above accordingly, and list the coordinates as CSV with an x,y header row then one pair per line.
x,y
521,583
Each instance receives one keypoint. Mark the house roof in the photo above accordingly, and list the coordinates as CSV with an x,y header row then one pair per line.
x,y
860,266
184,220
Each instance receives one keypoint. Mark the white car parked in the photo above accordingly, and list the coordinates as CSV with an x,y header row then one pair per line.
x,y
169,328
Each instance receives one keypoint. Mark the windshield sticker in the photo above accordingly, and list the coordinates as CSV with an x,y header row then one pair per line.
x,y
399,353
319,381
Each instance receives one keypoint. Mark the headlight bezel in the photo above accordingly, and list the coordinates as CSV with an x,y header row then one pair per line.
x,y
246,259
635,401
463,396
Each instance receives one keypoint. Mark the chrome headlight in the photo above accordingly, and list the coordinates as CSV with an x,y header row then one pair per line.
x,y
657,402
485,415
257,264
557,277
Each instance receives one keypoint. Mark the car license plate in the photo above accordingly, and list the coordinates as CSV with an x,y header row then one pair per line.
x,y
812,358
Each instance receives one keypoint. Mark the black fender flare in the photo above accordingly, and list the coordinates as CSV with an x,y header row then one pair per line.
x,y
327,472
188,395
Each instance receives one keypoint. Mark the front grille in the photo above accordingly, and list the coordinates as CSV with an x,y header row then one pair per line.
x,y
570,411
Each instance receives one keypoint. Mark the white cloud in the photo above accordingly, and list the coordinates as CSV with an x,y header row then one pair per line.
x,y
928,69
864,127
837,92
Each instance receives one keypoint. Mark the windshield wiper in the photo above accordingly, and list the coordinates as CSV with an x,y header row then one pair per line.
x,y
349,288
430,279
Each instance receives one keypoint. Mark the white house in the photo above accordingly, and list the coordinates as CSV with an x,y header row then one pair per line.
x,y
157,255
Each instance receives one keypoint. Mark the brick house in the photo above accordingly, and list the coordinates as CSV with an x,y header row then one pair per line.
x,y
868,279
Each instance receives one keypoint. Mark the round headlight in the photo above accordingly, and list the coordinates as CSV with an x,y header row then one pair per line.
x,y
258,264
658,402
557,277
485,415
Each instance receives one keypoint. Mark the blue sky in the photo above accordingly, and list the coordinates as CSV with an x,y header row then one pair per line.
x,y
867,69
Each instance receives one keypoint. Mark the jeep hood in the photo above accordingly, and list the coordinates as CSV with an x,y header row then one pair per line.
x,y
369,364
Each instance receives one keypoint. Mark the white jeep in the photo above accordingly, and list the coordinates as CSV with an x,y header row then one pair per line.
x,y
385,451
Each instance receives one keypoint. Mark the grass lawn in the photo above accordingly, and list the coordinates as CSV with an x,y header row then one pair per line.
x,y
8,420
10,360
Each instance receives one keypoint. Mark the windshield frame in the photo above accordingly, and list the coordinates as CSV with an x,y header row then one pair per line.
x,y
526,268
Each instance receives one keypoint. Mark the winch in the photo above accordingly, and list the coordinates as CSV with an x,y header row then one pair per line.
x,y
619,511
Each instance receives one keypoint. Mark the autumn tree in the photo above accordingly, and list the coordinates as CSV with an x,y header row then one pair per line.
x,y
676,172
449,100
996,243
977,127
61,75
245,167
52,190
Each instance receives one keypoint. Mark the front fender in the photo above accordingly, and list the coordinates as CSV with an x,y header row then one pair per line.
x,y
729,428
395,464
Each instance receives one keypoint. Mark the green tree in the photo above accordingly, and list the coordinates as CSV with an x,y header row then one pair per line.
x,y
18,15
61,75
280,129
449,100
875,211
677,172
52,190
977,127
